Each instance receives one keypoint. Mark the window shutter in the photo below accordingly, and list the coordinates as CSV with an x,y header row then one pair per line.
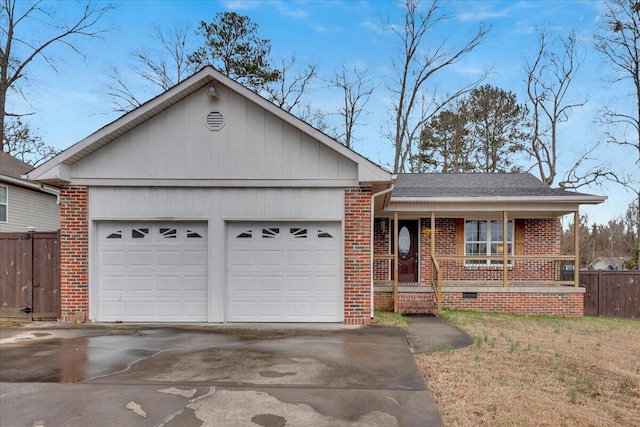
x,y
459,239
519,236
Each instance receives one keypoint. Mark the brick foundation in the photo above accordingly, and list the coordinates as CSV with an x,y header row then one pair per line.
x,y
74,252
357,256
561,303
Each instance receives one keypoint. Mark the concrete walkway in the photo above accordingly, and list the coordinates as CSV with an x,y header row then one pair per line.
x,y
428,333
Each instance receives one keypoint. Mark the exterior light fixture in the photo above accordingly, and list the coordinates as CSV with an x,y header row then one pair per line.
x,y
212,92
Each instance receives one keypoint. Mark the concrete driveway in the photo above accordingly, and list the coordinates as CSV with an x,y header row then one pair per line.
x,y
211,375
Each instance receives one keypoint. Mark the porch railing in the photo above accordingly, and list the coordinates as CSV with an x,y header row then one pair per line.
x,y
505,269
436,282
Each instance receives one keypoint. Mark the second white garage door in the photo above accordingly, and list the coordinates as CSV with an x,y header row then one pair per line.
x,y
284,272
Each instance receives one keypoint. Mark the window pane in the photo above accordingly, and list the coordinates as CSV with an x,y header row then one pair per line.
x,y
476,249
3,213
476,231
496,231
3,194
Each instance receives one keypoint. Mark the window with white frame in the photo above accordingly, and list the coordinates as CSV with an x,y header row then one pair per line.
x,y
485,238
4,203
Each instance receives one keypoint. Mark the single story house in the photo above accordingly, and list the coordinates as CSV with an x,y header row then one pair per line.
x,y
25,205
210,204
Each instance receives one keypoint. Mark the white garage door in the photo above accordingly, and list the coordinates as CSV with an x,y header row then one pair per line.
x,y
152,272
284,272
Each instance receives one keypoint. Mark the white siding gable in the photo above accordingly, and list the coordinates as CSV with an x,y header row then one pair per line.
x,y
253,144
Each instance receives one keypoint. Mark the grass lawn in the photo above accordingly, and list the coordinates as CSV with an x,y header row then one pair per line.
x,y
538,371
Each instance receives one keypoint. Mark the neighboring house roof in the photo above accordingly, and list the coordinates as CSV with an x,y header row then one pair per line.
x,y
12,171
57,169
479,186
617,262
12,167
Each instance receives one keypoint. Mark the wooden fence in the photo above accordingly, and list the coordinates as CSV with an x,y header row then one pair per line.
x,y
30,276
611,293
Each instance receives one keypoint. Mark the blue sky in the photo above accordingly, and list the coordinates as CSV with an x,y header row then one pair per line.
x,y
71,104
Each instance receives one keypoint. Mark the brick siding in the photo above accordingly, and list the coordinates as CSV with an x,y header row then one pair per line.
x,y
74,254
542,237
532,303
357,261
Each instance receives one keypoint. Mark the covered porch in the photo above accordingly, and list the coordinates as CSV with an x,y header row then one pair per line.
x,y
499,252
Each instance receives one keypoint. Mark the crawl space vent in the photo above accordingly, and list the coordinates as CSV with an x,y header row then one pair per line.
x,y
215,120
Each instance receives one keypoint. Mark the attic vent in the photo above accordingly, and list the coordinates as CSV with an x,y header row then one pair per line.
x,y
215,120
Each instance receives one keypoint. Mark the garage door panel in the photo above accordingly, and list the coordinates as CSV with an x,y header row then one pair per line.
x,y
113,258
140,258
270,258
299,258
113,309
194,258
168,283
327,258
299,283
194,284
140,308
152,272
168,258
291,266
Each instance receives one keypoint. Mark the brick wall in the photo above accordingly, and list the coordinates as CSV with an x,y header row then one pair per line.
x,y
357,255
542,237
532,303
74,254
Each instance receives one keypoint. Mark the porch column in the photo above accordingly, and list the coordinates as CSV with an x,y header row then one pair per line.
x,y
395,262
433,234
576,247
505,252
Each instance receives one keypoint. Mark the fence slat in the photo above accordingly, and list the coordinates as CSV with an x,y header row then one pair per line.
x,y
611,293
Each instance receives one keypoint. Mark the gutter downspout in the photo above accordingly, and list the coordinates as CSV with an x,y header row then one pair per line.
x,y
373,201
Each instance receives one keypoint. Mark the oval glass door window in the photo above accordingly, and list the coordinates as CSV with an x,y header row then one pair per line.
x,y
404,242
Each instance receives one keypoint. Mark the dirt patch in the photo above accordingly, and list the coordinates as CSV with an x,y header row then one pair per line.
x,y
541,371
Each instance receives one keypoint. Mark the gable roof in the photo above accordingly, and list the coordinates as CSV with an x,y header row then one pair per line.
x,y
56,169
481,187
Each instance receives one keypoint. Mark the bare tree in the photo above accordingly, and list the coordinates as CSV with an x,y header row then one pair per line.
x,y
619,42
415,67
18,48
357,89
163,66
19,141
549,75
292,84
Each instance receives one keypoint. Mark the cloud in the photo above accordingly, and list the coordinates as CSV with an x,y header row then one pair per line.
x,y
241,4
293,12
483,12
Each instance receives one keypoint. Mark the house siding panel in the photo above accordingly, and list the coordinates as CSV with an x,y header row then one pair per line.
x,y
29,208
252,144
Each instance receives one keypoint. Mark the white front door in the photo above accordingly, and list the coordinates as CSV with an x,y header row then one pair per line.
x,y
152,272
284,272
